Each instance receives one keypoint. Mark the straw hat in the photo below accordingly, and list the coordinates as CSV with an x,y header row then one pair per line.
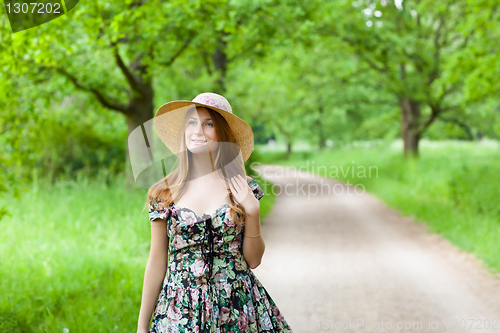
x,y
170,117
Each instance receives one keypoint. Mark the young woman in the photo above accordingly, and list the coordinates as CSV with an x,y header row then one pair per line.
x,y
205,228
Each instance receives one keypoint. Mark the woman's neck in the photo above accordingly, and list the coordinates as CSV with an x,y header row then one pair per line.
x,y
201,166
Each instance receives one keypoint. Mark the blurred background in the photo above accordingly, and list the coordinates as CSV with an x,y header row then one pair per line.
x,y
409,86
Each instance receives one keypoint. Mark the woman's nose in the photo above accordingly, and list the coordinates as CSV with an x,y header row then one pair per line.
x,y
198,130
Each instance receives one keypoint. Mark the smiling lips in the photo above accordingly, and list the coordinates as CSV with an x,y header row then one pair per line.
x,y
199,142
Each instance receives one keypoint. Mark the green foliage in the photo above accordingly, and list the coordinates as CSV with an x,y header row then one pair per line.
x,y
473,190
295,72
69,262
266,202
14,322
78,145
424,51
12,154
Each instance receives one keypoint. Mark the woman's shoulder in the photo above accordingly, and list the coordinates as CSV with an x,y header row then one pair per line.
x,y
160,203
158,208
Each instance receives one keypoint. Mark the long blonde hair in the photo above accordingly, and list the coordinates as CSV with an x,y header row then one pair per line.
x,y
171,188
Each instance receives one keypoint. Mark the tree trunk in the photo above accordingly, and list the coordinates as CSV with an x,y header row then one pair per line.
x,y
142,111
410,121
321,134
219,59
288,138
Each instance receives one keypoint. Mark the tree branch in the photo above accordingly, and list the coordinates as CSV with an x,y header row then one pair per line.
x,y
370,102
186,43
134,81
451,107
105,101
204,57
462,125
448,91
383,69
435,70
434,113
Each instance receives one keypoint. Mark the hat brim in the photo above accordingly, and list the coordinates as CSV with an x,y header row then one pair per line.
x,y
170,117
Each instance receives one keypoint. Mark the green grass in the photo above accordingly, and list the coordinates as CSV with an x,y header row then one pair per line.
x,y
74,255
267,201
453,188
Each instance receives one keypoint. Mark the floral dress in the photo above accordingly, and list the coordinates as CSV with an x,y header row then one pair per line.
x,y
209,286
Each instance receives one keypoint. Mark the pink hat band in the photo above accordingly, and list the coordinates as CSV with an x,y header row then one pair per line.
x,y
214,100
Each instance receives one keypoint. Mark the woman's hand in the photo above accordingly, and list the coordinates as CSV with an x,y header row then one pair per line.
x,y
243,194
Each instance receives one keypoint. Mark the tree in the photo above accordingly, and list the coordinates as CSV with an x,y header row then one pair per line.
x,y
121,52
409,46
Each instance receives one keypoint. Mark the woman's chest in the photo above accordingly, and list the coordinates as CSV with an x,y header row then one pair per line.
x,y
203,199
186,225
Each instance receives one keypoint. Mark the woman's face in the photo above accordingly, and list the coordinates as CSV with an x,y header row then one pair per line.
x,y
200,131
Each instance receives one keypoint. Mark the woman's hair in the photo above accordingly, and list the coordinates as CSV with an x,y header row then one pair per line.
x,y
171,188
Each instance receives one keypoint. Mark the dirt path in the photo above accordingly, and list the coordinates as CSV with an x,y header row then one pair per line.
x,y
343,259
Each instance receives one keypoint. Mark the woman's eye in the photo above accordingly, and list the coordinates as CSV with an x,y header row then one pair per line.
x,y
192,122
210,124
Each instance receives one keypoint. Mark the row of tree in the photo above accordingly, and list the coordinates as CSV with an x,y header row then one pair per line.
x,y
315,70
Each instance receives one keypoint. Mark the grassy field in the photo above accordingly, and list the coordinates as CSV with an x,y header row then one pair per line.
x,y
454,188
74,254
73,257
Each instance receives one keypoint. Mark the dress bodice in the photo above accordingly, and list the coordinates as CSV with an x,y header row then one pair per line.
x,y
209,287
207,244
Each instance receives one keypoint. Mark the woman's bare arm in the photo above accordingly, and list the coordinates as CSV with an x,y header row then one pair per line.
x,y
253,247
154,275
